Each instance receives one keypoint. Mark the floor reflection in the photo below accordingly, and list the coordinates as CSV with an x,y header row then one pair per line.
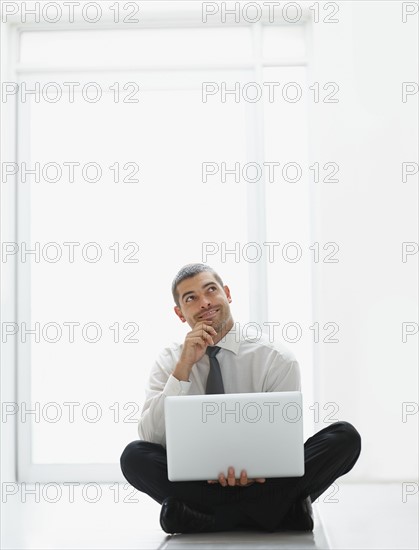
x,y
256,540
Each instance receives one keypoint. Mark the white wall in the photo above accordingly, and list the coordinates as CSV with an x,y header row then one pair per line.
x,y
369,213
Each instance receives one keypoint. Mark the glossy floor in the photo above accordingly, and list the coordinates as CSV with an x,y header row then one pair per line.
x,y
113,517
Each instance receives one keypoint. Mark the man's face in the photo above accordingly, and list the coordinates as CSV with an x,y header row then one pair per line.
x,y
201,298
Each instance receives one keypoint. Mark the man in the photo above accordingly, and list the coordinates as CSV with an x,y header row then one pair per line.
x,y
249,365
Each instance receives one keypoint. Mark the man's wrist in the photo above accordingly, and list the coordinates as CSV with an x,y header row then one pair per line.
x,y
182,372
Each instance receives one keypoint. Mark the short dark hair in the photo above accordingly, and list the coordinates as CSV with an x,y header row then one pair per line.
x,y
188,271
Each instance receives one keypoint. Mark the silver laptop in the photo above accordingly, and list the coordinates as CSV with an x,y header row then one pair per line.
x,y
261,433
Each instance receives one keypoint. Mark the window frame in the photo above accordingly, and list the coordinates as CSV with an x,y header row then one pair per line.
x,y
16,436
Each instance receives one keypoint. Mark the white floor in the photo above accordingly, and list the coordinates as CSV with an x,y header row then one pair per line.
x,y
371,517
355,517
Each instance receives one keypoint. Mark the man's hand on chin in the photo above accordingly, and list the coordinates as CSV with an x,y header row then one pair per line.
x,y
231,480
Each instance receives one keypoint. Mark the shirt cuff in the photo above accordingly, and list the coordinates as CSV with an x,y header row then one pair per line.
x,y
176,387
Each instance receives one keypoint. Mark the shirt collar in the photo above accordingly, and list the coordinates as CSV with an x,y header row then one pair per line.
x,y
231,341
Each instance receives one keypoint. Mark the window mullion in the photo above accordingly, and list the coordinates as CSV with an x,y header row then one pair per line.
x,y
256,204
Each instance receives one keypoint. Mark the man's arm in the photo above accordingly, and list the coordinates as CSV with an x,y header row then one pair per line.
x,y
151,426
283,374
170,376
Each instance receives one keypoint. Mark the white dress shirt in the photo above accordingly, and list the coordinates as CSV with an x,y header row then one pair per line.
x,y
248,364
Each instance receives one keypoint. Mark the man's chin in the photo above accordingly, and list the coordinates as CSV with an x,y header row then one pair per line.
x,y
221,326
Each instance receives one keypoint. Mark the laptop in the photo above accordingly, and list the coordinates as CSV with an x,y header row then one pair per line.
x,y
261,433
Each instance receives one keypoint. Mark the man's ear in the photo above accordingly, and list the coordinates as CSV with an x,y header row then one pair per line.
x,y
179,313
227,291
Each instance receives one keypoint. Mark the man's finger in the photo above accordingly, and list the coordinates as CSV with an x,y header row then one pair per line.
x,y
202,326
209,328
207,338
231,479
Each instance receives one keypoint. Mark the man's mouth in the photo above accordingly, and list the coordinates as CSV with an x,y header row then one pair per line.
x,y
209,314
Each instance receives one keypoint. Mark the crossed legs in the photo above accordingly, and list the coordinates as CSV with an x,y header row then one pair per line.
x,y
329,454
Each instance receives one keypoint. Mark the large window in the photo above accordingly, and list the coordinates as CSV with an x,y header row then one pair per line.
x,y
143,157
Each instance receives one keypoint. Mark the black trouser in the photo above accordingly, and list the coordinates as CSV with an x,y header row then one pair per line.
x,y
329,454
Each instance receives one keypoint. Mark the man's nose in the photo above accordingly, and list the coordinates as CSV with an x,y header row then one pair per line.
x,y
204,302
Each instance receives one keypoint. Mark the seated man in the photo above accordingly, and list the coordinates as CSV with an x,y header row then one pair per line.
x,y
249,365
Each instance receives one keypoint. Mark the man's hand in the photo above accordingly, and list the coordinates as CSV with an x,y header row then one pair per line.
x,y
231,480
194,348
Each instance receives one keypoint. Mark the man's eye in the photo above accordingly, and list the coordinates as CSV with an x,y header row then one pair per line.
x,y
212,288
188,298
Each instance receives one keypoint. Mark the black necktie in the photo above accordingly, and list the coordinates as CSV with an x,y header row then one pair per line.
x,y
214,380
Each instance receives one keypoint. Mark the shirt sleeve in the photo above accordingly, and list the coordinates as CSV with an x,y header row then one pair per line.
x,y
283,375
151,426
